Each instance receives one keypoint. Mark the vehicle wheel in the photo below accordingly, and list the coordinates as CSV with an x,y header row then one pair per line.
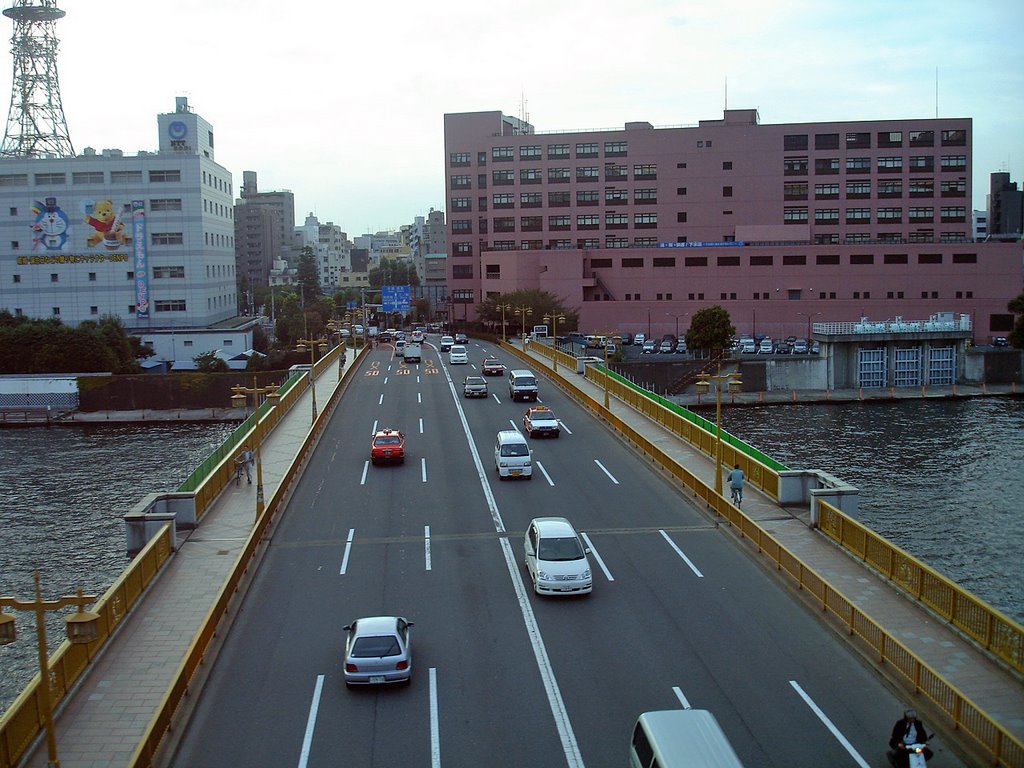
x,y
557,434
374,462
402,460
530,476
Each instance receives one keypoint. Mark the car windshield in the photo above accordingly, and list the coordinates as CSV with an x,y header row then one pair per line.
x,y
381,645
389,440
515,449
566,548
526,381
475,380
542,416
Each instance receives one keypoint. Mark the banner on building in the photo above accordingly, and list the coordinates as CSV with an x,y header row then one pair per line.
x,y
140,259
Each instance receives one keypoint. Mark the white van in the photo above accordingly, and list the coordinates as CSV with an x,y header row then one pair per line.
x,y
680,737
512,455
411,352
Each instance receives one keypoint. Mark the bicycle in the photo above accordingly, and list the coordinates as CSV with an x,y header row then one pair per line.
x,y
737,496
239,466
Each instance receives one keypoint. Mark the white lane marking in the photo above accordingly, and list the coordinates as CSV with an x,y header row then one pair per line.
x,y
679,695
348,548
610,476
828,724
366,467
374,430
417,378
426,544
389,368
385,379
307,739
423,469
597,556
421,426
495,396
570,748
418,398
545,473
681,554
567,430
381,401
514,426
435,731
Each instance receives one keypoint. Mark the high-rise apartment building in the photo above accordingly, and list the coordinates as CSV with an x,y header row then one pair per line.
x,y
264,229
1005,208
643,226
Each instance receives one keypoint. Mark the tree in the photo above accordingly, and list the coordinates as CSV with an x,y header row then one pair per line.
x,y
540,303
1016,337
710,328
208,362
393,272
308,275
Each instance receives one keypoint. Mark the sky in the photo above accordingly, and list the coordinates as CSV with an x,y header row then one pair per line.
x,y
343,103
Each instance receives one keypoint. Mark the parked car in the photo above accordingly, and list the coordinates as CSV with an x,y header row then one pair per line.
x,y
457,355
475,386
766,346
1000,341
378,649
540,422
800,347
556,558
681,347
388,445
639,339
782,348
649,348
667,346
627,339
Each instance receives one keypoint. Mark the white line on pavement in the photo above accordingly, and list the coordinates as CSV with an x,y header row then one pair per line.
x,y
421,426
381,401
679,695
495,396
374,430
681,554
828,724
307,739
366,466
385,379
597,556
423,469
426,544
418,400
513,425
435,730
545,473
348,548
567,430
610,476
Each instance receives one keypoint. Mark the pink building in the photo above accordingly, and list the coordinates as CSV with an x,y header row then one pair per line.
x,y
782,225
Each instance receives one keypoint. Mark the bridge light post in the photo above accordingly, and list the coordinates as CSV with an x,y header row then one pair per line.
x,y
553,318
82,628
238,400
735,385
524,311
503,307
313,345
808,315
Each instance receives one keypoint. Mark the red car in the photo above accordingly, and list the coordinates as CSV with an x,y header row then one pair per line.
x,y
388,445
493,368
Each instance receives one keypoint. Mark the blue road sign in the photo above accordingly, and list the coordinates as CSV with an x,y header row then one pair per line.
x,y
394,298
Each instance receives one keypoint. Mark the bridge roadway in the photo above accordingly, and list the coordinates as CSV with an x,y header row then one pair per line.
x,y
681,612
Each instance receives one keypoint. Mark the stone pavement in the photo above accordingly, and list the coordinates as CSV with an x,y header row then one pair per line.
x,y
103,721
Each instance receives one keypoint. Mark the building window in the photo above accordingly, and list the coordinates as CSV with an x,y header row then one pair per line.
x,y
826,215
827,259
632,263
953,213
890,215
858,189
615,148
481,203
531,200
826,239
681,217
531,152
887,139
164,272
503,178
794,166
825,166
559,175
922,138
826,141
15,180
559,199
858,141
726,191
796,191
87,177
559,222
695,261
922,188
588,221
504,224
762,261
461,182
49,179
458,159
613,172
645,171
172,305
929,258
165,204
954,138
507,200
858,165
794,142
587,149
531,224
664,261
890,164
645,220
824,191
728,261
890,189
680,190
922,163
463,249
501,154
462,227
164,176
461,204
794,260
956,188
588,173
616,197
861,259
953,162
462,271
795,215
922,215
530,176
481,159
858,215
557,151
894,258
616,242
167,238
587,198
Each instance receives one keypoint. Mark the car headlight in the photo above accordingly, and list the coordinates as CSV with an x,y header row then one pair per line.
x,y
542,575
586,574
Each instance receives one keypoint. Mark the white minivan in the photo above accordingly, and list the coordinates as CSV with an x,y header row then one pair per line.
x,y
680,738
512,455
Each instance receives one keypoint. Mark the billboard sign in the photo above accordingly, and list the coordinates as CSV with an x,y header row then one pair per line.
x,y
395,298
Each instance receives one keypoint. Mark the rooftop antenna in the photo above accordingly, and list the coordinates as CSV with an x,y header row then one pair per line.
x,y
35,123
726,93
936,93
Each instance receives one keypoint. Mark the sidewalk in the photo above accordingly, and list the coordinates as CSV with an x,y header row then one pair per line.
x,y
104,719
993,687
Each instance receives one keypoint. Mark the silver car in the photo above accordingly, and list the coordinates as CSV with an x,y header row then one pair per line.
x,y
556,558
475,386
378,650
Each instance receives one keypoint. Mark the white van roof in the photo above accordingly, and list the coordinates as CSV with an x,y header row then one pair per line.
x,y
689,737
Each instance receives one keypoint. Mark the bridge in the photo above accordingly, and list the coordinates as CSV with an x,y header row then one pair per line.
x,y
223,645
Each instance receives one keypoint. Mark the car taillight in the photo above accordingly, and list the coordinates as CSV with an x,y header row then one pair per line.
x,y
402,665
350,667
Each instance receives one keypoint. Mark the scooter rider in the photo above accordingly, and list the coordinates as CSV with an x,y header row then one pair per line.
x,y
908,730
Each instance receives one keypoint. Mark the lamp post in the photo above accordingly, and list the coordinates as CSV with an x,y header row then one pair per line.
x,y
524,311
702,388
607,335
553,319
82,628
313,344
808,315
670,314
238,400
503,307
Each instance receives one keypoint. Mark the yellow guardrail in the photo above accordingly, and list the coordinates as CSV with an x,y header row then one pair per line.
x,y
178,689
23,720
965,716
995,632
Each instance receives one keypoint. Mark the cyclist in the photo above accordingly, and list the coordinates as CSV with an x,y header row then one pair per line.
x,y
735,478
243,462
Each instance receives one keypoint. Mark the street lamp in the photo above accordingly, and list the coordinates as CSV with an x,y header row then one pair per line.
x,y
553,319
808,315
503,307
82,628
702,388
670,314
524,311
238,400
607,335
313,344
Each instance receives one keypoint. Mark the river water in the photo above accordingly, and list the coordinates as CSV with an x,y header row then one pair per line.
x,y
943,479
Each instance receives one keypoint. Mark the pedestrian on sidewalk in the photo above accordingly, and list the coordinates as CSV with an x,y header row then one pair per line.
x,y
736,478
244,462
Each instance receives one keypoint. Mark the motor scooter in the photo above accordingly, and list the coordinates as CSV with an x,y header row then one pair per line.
x,y
915,754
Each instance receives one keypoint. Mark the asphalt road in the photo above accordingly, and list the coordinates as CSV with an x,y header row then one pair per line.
x,y
680,614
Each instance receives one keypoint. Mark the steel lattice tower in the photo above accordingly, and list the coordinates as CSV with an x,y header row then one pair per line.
x,y
35,124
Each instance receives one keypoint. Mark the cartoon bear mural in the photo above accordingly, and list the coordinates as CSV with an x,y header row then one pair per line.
x,y
106,223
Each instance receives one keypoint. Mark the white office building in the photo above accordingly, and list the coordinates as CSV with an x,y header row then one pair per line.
x,y
148,238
